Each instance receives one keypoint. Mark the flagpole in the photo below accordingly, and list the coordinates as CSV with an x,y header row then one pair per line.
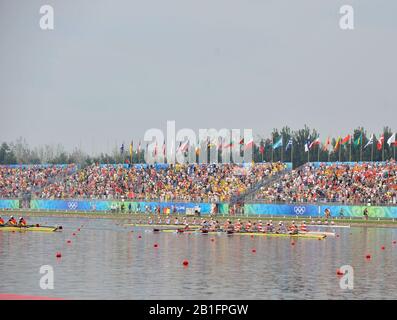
x,y
292,158
340,153
350,156
383,147
318,153
361,146
372,152
272,147
281,150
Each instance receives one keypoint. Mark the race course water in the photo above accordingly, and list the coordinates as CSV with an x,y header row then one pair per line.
x,y
105,260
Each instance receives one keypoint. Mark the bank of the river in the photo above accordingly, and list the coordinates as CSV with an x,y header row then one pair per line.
x,y
135,217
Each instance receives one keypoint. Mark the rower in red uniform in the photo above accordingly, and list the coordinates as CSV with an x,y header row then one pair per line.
x,y
22,222
248,226
12,221
237,225
260,226
1,221
303,227
293,228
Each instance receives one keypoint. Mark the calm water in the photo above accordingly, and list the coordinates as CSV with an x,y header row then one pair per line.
x,y
108,261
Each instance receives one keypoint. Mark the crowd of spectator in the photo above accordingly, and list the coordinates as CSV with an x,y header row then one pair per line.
x,y
363,183
374,183
19,180
181,182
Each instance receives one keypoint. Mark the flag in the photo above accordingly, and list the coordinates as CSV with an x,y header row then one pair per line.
x,y
198,148
242,141
262,149
337,144
155,149
380,142
289,144
327,143
346,139
314,143
359,140
249,144
278,144
131,148
185,146
139,150
122,148
371,141
392,140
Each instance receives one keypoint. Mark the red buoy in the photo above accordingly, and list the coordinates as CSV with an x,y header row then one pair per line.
x,y
212,240
185,263
252,236
78,229
368,256
394,241
253,250
139,237
292,243
155,245
58,255
337,235
73,234
68,241
383,247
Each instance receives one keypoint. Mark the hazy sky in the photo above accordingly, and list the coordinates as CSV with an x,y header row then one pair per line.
x,y
112,69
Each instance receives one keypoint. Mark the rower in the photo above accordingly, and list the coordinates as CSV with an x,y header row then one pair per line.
x,y
260,226
281,227
176,221
150,220
237,225
1,221
167,220
248,226
12,221
303,227
22,222
293,228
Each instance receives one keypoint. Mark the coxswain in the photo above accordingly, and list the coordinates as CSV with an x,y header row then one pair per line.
x,y
22,222
1,221
12,221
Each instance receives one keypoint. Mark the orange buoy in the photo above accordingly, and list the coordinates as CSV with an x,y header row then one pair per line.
x,y
185,263
58,255
320,238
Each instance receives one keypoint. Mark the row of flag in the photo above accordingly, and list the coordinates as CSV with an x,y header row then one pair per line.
x,y
184,146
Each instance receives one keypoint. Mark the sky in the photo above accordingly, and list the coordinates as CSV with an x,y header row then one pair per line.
x,y
110,70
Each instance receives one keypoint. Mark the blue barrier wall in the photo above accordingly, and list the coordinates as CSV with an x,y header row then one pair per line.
x,y
85,205
9,204
282,209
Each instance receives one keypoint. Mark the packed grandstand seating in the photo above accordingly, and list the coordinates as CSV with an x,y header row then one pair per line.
x,y
212,183
374,183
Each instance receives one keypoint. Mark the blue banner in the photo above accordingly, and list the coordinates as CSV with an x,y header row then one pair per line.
x,y
304,210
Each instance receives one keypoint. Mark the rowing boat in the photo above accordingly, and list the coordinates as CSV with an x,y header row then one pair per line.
x,y
30,228
160,225
327,226
299,235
